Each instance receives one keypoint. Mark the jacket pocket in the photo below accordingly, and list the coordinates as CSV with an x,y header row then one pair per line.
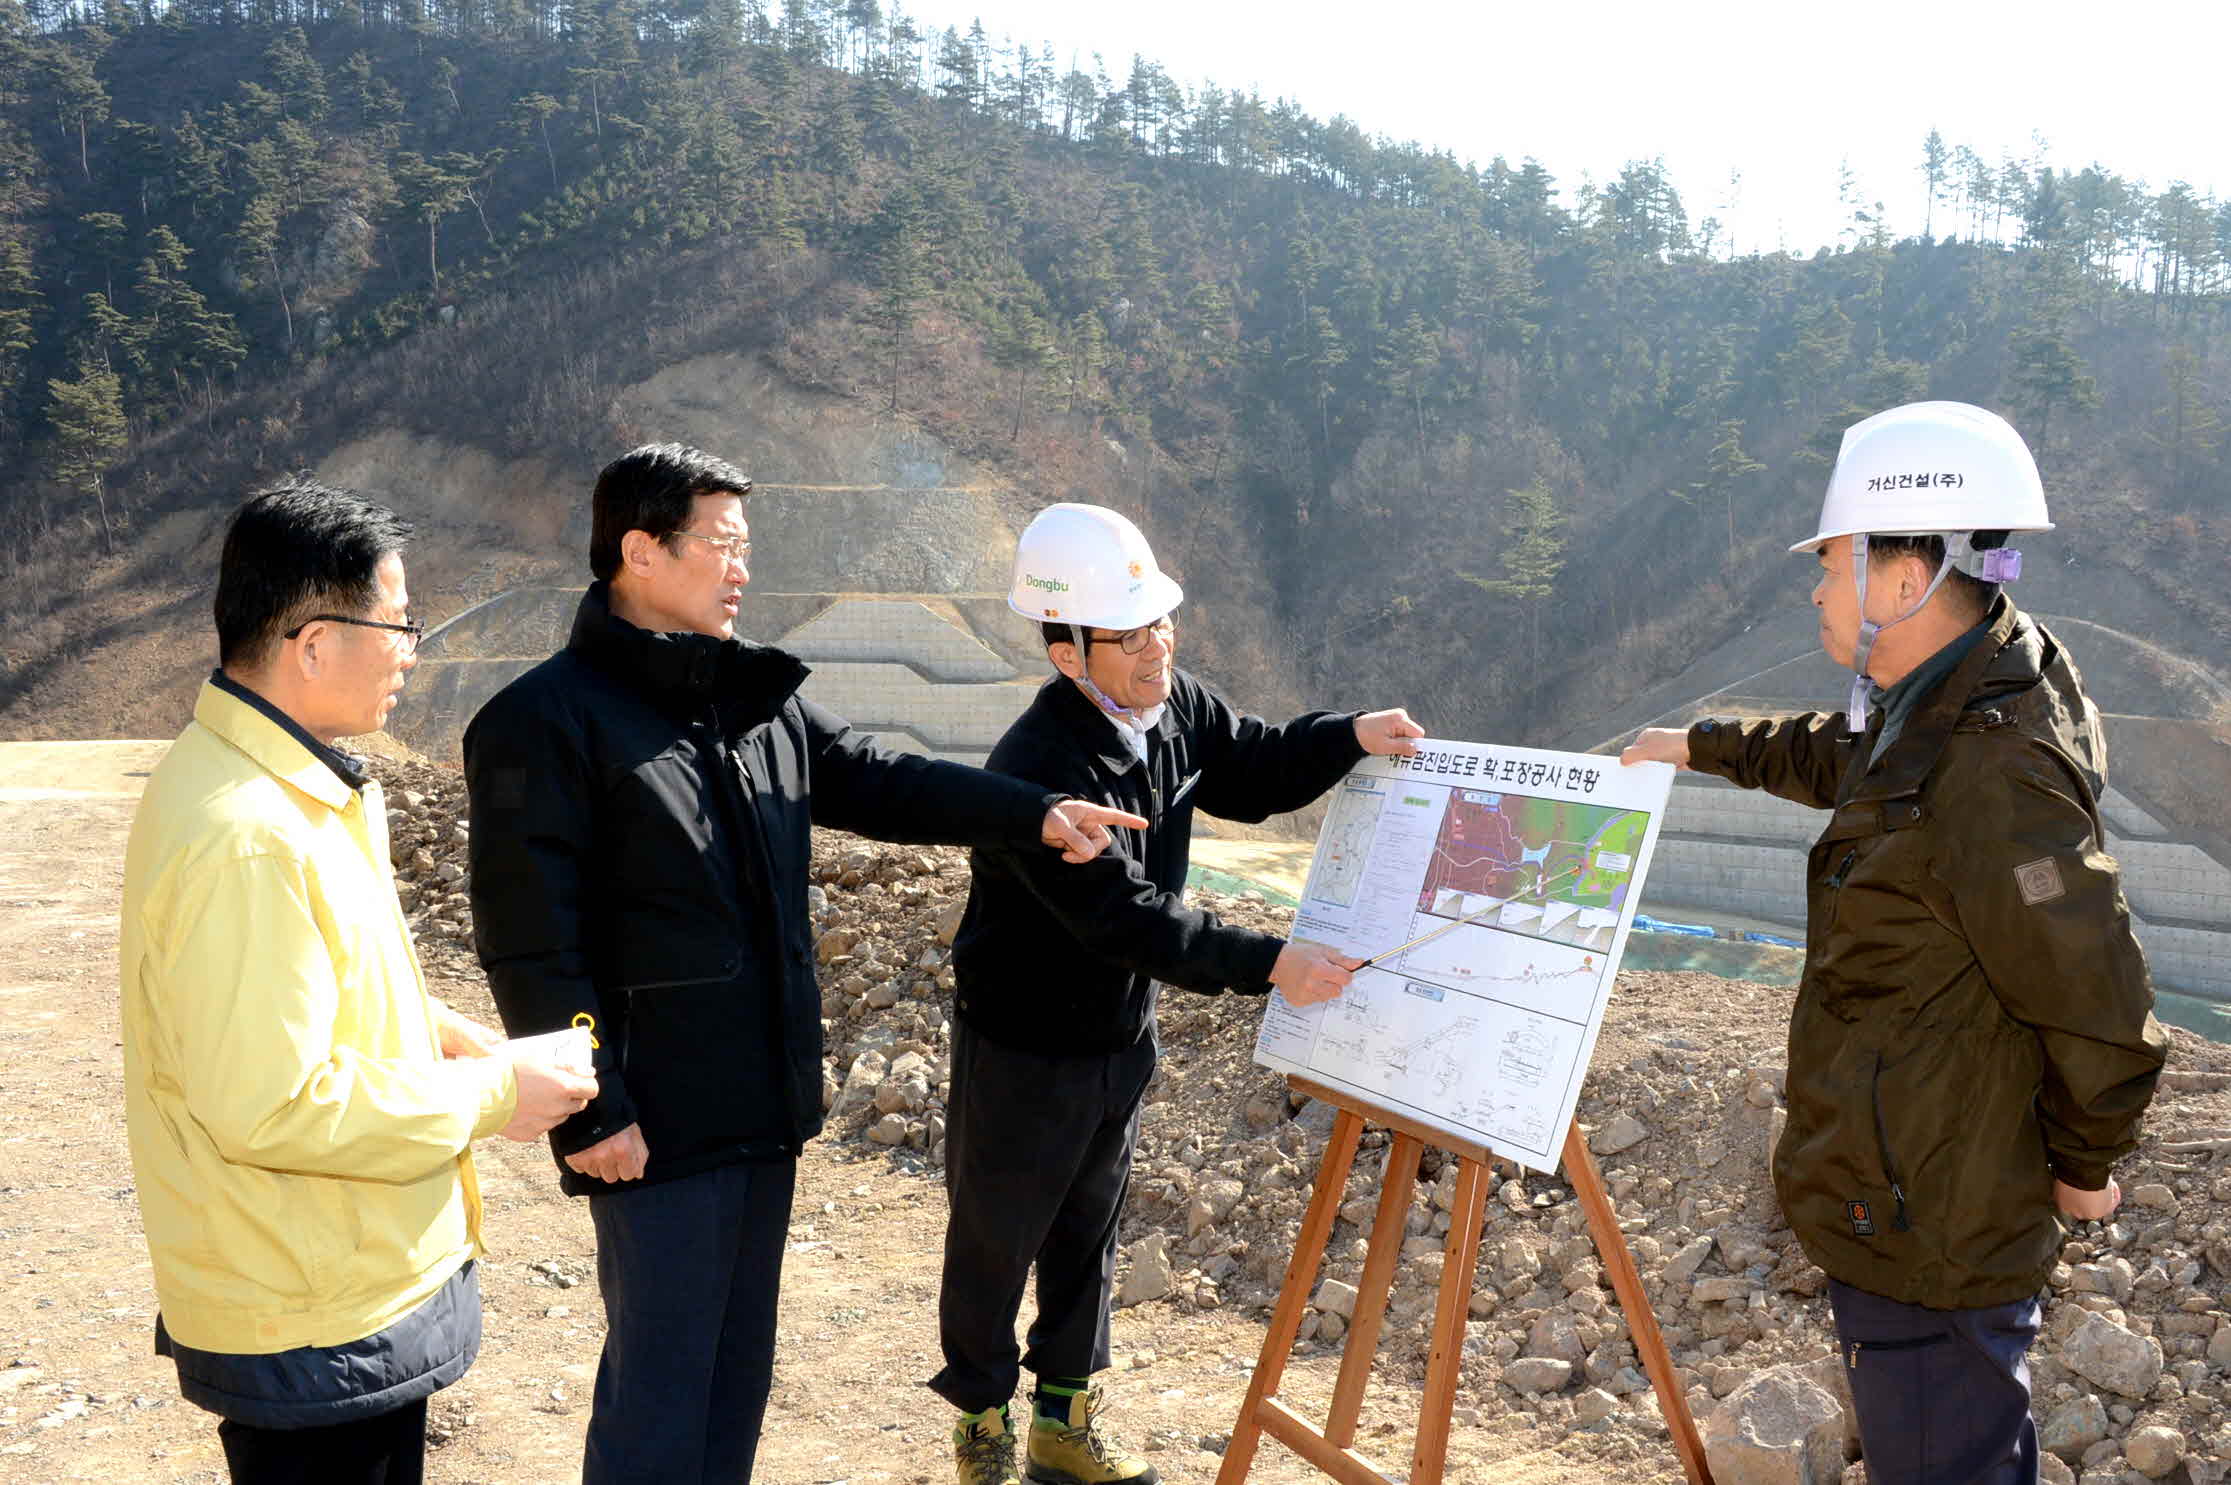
x,y
677,977
705,1066
1899,1221
1855,1348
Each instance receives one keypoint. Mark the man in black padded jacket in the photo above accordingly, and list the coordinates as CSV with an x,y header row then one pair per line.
x,y
642,807
1054,1041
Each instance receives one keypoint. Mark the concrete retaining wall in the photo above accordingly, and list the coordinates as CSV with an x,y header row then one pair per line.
x,y
1738,852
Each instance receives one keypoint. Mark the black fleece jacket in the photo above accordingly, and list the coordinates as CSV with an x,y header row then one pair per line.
x,y
1066,960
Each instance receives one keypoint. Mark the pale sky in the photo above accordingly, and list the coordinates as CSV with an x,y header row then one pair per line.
x,y
1780,92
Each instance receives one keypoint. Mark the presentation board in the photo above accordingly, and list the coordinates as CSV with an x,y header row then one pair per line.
x,y
1514,876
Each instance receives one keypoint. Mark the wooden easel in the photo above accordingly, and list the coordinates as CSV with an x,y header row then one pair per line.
x,y
1331,1451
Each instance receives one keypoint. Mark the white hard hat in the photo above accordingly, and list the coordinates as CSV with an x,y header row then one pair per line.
x,y
1929,468
1088,565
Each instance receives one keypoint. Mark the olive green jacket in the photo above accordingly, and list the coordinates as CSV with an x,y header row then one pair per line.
x,y
1975,1018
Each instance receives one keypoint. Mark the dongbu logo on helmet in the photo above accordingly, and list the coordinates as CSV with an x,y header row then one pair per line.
x,y
1047,585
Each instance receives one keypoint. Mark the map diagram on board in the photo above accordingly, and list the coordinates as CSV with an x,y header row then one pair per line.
x,y
1562,870
1345,842
1483,1031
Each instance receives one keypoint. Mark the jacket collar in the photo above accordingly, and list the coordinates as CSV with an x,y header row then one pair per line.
x,y
2008,658
349,767
749,682
272,742
1089,726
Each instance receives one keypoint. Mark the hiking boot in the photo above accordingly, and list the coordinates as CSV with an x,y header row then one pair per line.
x,y
984,1448
1078,1453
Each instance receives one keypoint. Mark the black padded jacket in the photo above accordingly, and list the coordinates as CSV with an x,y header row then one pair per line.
x,y
642,812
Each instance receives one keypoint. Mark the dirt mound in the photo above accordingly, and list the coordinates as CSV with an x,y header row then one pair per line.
x,y
1683,1103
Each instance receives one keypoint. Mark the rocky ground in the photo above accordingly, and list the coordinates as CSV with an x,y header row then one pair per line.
x,y
1683,1104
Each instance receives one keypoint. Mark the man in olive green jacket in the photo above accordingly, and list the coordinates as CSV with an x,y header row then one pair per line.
x,y
1973,1043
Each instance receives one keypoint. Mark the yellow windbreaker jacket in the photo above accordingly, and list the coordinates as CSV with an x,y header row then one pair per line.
x,y
299,1141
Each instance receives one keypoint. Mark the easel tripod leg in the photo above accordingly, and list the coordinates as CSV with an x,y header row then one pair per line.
x,y
1445,1363
1397,1183
1293,1299
1642,1321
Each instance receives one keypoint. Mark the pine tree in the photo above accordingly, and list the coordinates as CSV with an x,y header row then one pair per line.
x,y
901,281
258,236
81,100
1533,554
1934,161
431,190
87,416
1022,344
1730,465
176,336
19,302
532,113
2187,430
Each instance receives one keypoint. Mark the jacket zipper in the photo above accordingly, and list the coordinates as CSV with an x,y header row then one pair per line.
x,y
1836,881
1882,1141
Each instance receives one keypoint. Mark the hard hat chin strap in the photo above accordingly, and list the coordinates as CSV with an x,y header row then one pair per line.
x,y
1084,677
1956,552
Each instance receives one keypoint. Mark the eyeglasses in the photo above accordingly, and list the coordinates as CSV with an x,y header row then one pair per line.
x,y
733,549
1132,641
409,631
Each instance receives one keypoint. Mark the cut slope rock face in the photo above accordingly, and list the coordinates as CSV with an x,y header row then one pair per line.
x,y
2132,1372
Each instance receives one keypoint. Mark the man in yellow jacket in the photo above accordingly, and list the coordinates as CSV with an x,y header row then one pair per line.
x,y
299,1108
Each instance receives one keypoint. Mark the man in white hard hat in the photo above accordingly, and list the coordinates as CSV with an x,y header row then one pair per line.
x,y
1054,1040
1973,1043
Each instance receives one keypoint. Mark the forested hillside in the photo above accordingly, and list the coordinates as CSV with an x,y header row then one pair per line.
x,y
1435,424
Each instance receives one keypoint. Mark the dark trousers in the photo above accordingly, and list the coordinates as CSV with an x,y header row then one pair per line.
x,y
1943,1395
691,1270
385,1449
1037,1160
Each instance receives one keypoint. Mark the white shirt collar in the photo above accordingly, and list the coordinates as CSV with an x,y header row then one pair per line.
x,y
1134,734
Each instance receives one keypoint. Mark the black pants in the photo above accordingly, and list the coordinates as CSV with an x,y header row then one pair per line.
x,y
1037,1160
1943,1396
386,1449
691,1270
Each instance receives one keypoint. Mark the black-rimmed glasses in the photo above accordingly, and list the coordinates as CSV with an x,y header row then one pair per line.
x,y
409,630
1132,641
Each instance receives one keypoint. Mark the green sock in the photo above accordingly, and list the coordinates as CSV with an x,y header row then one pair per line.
x,y
985,1416
1053,1397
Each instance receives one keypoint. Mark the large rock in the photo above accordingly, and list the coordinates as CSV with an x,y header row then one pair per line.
x,y
1555,1334
1212,1203
1538,1373
1623,1133
1778,1428
2112,1276
2154,1450
2103,1353
1593,1407
1336,1298
1831,1377
860,1083
1682,1266
1150,1276
2073,1427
